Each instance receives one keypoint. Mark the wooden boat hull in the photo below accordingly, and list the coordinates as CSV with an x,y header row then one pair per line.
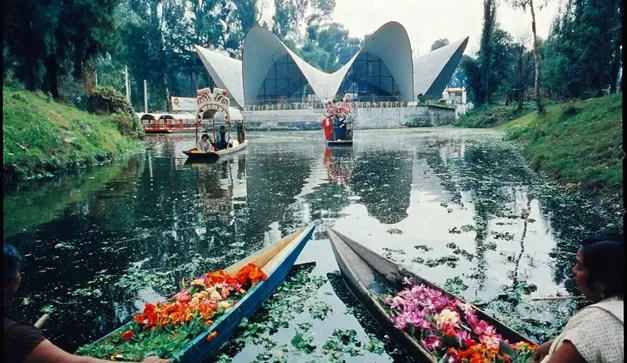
x,y
157,131
364,270
277,260
339,142
212,155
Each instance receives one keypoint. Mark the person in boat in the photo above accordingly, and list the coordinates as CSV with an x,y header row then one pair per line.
x,y
340,126
240,131
22,342
349,127
221,142
204,144
596,333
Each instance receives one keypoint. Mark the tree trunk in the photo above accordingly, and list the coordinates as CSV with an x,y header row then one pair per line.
x,y
521,81
616,61
167,92
52,74
536,58
89,77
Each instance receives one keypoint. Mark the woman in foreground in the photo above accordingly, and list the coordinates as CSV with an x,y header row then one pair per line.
x,y
23,342
595,334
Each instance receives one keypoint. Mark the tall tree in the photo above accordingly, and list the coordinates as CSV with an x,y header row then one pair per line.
x,y
524,4
47,39
439,44
485,50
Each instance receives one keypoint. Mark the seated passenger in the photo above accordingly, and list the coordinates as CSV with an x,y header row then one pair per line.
x,y
203,144
595,334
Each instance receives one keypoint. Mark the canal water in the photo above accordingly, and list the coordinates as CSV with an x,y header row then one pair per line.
x,y
458,207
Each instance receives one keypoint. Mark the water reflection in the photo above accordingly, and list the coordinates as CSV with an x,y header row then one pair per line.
x,y
458,207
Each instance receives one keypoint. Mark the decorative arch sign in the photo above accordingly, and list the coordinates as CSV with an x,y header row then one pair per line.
x,y
213,102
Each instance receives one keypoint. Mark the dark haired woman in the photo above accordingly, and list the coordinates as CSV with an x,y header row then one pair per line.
x,y
23,342
595,334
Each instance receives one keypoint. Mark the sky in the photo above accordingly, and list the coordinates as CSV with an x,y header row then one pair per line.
x,y
429,20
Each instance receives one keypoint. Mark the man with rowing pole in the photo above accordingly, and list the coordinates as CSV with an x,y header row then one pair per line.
x,y
22,342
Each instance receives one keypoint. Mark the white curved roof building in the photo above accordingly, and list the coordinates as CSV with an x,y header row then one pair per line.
x,y
382,70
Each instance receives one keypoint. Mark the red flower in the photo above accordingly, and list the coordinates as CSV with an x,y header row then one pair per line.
x,y
128,335
212,336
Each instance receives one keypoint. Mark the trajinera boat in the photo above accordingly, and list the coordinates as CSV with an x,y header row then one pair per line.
x,y
337,123
209,103
276,261
369,276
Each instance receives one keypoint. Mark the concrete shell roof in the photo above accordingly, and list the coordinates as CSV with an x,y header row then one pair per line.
x,y
226,72
433,70
390,43
427,74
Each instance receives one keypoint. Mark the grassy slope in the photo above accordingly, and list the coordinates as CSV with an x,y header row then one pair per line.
x,y
41,136
493,115
577,142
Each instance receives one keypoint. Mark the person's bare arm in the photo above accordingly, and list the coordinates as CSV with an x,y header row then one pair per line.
x,y
46,352
566,353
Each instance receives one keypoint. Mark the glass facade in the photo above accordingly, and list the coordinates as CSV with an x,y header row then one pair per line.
x,y
369,80
284,83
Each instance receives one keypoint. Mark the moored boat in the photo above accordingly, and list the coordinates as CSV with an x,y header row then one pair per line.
x,y
276,261
369,276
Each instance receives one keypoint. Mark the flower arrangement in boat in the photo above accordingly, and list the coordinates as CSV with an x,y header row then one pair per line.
x,y
167,327
450,329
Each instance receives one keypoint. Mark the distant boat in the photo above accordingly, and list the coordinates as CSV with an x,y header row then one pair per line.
x,y
212,155
276,260
209,102
341,135
368,274
339,142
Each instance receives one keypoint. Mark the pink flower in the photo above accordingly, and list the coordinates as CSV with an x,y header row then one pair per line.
x,y
471,318
397,302
182,296
480,327
491,341
431,343
400,322
462,335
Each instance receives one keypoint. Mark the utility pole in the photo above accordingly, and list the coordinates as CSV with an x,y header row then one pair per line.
x,y
128,94
145,98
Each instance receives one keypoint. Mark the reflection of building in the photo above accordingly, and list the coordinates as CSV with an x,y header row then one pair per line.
x,y
382,71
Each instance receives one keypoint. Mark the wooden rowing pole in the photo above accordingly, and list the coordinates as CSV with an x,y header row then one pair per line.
x,y
557,298
42,321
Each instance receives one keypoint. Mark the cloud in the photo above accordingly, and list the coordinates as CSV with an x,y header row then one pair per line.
x,y
428,20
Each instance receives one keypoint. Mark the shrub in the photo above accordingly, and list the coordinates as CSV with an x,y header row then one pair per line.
x,y
106,101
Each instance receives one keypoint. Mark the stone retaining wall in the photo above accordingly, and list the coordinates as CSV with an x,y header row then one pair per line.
x,y
365,118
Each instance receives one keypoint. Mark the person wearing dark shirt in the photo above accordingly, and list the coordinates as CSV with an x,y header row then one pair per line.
x,y
22,342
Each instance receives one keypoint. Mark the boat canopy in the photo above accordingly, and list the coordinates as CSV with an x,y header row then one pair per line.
x,y
235,113
165,116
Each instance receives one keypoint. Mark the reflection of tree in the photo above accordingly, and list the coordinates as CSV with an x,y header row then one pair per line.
x,y
272,188
383,181
571,219
489,171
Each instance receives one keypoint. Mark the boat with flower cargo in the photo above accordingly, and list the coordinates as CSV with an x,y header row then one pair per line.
x,y
193,324
430,323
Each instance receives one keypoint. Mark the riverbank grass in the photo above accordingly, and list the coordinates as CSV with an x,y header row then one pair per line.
x,y
579,144
41,136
